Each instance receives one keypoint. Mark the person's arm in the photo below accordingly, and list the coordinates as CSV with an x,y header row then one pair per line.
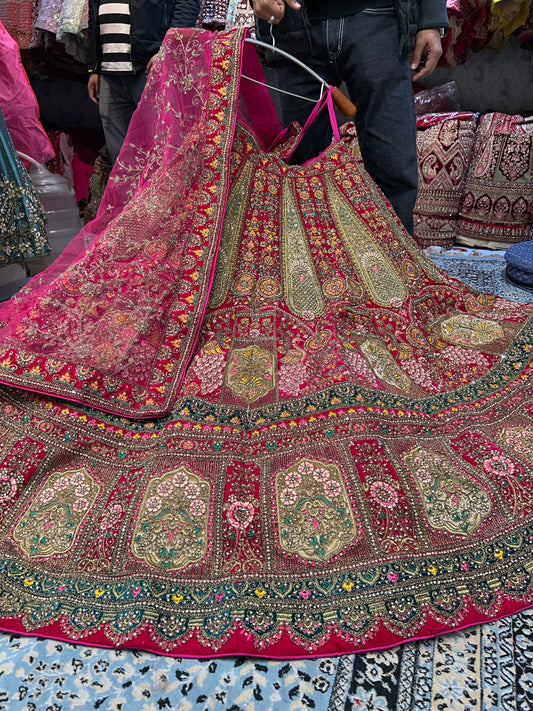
x,y
432,18
273,11
185,13
426,53
93,54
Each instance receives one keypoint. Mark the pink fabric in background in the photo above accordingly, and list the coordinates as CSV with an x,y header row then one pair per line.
x,y
18,103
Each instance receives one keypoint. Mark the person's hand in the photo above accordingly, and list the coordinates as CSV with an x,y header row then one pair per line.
x,y
426,54
150,63
93,87
273,10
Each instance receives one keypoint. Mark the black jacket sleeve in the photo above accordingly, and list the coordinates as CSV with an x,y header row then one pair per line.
x,y
185,13
93,49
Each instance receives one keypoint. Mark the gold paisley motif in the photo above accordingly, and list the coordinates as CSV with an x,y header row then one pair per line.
x,y
231,233
377,272
303,293
467,330
383,364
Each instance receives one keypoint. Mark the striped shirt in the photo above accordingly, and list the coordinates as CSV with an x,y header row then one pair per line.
x,y
114,21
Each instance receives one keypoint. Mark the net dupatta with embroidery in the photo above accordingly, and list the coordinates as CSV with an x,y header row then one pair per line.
x,y
348,460
113,322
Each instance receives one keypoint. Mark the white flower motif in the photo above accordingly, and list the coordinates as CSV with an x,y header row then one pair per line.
x,y
332,488
81,505
82,490
292,479
77,478
288,497
321,474
192,491
306,468
153,504
165,488
197,507
47,495
180,479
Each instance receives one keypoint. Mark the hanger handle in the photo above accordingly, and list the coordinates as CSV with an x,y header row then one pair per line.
x,y
343,103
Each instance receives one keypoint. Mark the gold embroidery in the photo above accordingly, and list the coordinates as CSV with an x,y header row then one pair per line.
x,y
469,330
383,364
315,517
171,527
380,277
50,526
452,500
301,286
252,372
231,235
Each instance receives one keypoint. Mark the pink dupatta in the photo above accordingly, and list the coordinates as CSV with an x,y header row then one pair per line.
x,y
114,321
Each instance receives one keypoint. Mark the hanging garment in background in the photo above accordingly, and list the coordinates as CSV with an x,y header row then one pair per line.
x,y
213,14
341,458
18,17
19,104
240,14
506,17
73,18
48,16
22,221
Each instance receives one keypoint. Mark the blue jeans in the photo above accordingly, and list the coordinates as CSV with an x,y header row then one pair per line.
x,y
119,97
362,50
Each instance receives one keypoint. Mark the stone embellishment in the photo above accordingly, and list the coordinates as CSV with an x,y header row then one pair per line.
x,y
315,517
50,525
453,501
171,528
251,373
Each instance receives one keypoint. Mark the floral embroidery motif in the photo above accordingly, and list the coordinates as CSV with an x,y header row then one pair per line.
x,y
171,528
50,525
208,366
315,517
469,330
519,440
10,482
453,501
252,372
293,373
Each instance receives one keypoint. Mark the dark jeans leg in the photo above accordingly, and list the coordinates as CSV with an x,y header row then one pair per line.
x,y
379,83
119,97
363,51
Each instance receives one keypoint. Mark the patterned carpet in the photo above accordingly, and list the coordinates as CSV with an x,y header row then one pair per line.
x,y
487,668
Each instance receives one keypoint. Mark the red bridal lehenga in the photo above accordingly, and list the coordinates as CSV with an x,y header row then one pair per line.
x,y
249,416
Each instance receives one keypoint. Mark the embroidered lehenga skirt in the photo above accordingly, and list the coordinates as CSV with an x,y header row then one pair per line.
x,y
250,417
